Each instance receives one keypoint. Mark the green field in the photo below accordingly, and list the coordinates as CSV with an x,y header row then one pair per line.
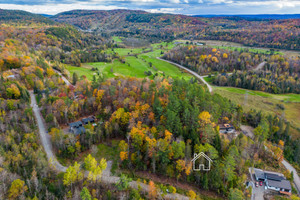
x,y
134,66
265,102
253,50
117,39
280,97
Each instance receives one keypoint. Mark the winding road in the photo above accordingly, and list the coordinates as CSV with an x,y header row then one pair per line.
x,y
289,167
191,72
106,178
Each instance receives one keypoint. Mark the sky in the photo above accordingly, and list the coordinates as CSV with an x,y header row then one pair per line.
x,y
189,7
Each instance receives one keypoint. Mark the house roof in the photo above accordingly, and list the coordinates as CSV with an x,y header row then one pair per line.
x,y
75,124
225,126
275,177
87,120
259,174
196,156
79,130
283,184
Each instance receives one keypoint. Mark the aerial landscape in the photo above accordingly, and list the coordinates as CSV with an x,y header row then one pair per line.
x,y
150,100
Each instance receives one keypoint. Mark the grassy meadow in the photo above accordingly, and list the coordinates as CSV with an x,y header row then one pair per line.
x,y
134,66
266,102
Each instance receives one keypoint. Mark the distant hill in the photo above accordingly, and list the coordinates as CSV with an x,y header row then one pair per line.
x,y
119,19
21,16
261,17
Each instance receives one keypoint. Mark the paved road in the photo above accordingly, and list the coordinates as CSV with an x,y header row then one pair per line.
x,y
190,71
257,192
106,176
289,167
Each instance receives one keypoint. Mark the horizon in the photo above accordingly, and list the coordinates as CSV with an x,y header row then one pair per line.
x,y
186,7
204,15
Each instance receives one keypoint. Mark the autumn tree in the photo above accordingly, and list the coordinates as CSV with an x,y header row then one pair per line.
x,y
85,194
16,189
152,191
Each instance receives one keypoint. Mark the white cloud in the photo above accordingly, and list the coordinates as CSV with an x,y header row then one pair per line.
x,y
164,6
164,10
52,9
278,4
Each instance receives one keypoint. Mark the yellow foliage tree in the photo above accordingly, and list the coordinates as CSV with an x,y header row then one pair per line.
x,y
204,118
191,194
16,189
225,55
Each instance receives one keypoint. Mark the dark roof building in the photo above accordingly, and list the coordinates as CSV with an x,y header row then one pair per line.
x,y
76,128
283,184
259,174
274,177
78,131
274,181
75,124
88,120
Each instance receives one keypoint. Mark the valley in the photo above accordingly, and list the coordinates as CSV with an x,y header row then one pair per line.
x,y
127,104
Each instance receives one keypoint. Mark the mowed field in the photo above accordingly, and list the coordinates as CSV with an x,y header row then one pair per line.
x,y
237,46
134,66
265,102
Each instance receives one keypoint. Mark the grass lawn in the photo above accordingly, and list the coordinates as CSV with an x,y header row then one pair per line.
x,y
80,71
117,39
133,66
253,50
266,102
208,79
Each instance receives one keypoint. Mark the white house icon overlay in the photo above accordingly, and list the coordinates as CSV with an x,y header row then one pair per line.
x,y
201,162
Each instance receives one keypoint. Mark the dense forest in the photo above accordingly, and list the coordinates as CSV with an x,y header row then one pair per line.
x,y
279,74
281,34
57,43
163,123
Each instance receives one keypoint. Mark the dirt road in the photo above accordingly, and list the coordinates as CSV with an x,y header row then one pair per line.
x,y
260,66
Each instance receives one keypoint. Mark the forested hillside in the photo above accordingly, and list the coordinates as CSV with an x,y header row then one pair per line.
x,y
278,74
21,17
281,34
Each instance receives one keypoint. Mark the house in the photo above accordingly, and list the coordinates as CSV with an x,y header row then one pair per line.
x,y
274,181
226,128
283,186
259,174
273,177
88,120
76,128
201,161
